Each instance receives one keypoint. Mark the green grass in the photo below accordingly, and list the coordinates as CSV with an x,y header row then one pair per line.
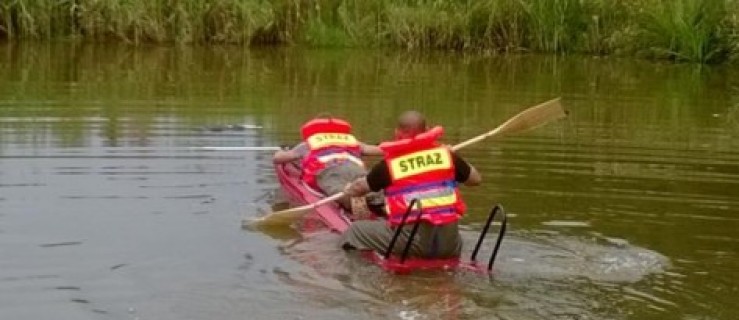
x,y
704,31
730,25
554,25
684,29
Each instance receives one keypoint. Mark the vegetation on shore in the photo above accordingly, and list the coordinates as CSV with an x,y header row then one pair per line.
x,y
704,31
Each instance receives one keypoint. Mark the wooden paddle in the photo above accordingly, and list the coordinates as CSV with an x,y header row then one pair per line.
x,y
525,120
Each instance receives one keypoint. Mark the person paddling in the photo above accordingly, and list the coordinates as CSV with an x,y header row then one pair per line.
x,y
330,158
417,166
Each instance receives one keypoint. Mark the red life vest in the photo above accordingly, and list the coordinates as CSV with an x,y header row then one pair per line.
x,y
330,143
421,168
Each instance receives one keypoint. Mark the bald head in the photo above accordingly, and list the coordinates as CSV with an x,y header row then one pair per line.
x,y
410,123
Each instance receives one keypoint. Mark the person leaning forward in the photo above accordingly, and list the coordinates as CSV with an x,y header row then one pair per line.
x,y
330,158
415,166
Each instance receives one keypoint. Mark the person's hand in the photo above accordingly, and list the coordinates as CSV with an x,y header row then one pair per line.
x,y
285,147
348,190
357,188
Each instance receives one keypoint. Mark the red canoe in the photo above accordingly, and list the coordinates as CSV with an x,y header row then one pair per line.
x,y
333,217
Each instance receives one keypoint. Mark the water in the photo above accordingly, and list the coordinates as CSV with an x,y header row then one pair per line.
x,y
626,210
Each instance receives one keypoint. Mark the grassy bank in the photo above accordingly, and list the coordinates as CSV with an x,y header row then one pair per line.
x,y
683,30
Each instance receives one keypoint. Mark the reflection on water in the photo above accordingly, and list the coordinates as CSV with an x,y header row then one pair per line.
x,y
627,209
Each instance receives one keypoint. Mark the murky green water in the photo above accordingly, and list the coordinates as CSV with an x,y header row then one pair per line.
x,y
629,209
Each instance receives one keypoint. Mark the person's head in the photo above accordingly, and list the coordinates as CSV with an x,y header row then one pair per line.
x,y
410,124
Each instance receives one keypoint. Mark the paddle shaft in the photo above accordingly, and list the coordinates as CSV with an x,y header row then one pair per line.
x,y
319,202
475,139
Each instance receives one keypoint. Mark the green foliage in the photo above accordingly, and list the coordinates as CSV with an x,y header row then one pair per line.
x,y
730,29
554,25
686,30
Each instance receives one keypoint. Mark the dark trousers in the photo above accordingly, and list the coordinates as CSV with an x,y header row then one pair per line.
x,y
431,241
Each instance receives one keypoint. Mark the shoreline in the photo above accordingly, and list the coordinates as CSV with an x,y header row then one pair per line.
x,y
674,30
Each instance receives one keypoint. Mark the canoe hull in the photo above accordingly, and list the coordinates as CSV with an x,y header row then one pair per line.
x,y
331,215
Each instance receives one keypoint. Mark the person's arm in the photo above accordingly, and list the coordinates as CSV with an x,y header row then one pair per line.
x,y
371,150
285,156
465,172
474,179
377,178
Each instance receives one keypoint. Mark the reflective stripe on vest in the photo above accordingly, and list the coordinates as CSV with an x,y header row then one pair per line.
x,y
436,199
433,194
325,140
438,213
433,198
338,158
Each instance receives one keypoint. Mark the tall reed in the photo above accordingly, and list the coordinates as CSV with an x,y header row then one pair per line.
x,y
731,28
685,30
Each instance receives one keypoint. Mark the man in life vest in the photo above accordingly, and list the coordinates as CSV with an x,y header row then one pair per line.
x,y
416,166
330,158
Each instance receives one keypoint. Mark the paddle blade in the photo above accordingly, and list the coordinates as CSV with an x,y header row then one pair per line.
x,y
525,120
290,215
285,217
533,117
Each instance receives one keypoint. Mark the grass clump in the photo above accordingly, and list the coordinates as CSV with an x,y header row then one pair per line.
x,y
684,29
